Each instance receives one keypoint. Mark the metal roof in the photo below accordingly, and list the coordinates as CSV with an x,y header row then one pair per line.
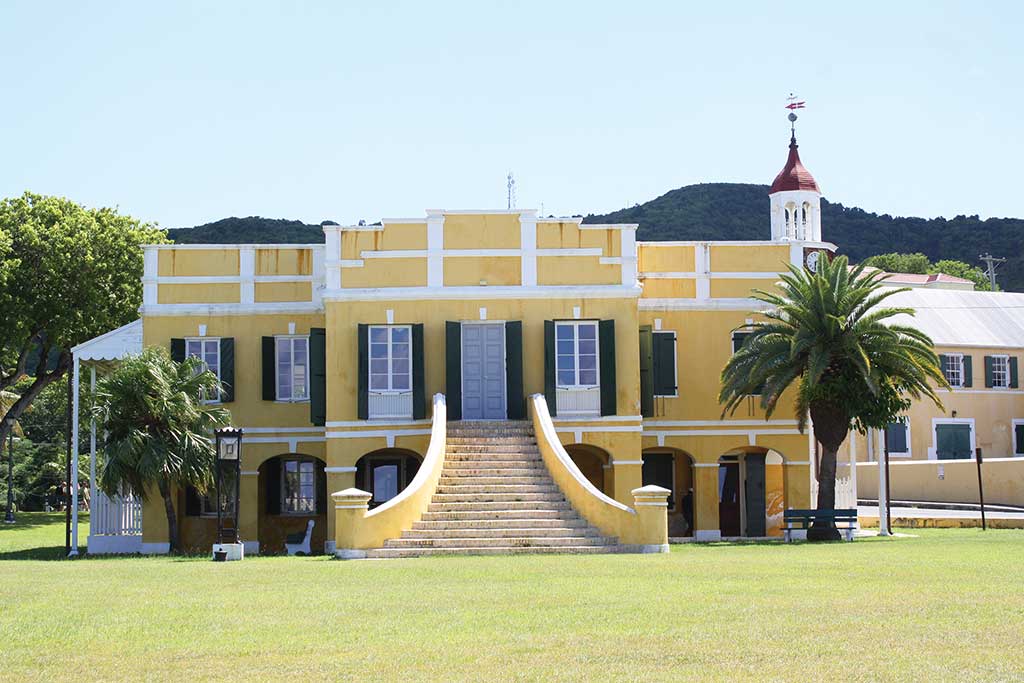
x,y
964,318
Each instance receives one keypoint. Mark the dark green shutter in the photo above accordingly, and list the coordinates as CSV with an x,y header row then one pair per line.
x,y
317,376
269,362
1019,433
321,488
419,389
988,371
646,372
549,367
664,364
514,398
968,371
896,437
453,369
193,504
606,339
363,371
227,368
178,350
952,441
272,491
1013,372
738,340
942,365
754,490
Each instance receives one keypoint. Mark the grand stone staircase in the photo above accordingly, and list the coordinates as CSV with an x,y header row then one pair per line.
x,y
495,497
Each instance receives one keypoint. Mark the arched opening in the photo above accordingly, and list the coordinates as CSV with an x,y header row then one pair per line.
x,y
790,220
743,505
774,493
292,492
385,473
672,469
805,221
592,461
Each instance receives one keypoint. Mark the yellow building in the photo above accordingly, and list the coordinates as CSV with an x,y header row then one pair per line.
x,y
607,349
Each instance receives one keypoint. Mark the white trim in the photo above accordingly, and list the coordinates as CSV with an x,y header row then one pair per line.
x,y
610,260
1005,371
936,421
472,293
239,245
339,470
435,246
723,432
602,418
591,430
627,462
738,243
705,464
249,473
721,275
960,358
1002,392
377,433
707,535
212,310
203,341
285,440
718,423
528,244
291,339
377,422
282,430
396,221
597,226
703,303
576,325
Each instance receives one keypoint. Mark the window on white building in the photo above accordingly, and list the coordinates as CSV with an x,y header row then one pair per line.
x,y
1001,372
576,362
207,350
298,487
292,368
953,368
390,358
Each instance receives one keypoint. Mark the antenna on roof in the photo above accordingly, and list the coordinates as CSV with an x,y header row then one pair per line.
x,y
991,262
511,185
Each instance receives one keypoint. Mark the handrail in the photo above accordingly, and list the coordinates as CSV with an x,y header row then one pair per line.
x,y
610,516
398,514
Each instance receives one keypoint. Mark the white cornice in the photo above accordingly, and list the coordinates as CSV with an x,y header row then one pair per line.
x,y
750,305
466,293
201,310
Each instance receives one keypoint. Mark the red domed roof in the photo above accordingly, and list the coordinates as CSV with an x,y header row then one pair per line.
x,y
794,176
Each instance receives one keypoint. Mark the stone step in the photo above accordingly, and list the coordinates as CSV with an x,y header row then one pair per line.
x,y
539,479
487,447
499,532
490,425
396,553
487,542
519,521
461,439
512,470
453,513
492,457
491,497
496,489
496,505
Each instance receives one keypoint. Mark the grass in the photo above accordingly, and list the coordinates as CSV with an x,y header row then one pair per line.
x,y
943,605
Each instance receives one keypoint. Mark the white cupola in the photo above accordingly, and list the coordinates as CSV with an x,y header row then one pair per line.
x,y
795,201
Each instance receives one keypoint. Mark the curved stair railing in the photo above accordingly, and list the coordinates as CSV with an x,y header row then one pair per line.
x,y
358,529
642,528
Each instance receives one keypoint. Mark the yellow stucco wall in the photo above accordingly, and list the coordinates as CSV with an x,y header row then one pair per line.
x,y
1003,480
568,235
392,236
192,262
722,288
206,293
482,231
387,272
659,288
493,270
576,270
284,261
283,291
659,258
727,258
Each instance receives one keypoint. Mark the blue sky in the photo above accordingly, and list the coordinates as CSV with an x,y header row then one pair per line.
x,y
182,113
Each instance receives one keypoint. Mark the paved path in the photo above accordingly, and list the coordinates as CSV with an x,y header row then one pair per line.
x,y
923,513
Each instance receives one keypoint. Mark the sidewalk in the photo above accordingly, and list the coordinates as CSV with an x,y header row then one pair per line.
x,y
914,517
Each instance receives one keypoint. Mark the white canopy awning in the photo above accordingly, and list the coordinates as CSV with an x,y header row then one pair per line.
x,y
112,345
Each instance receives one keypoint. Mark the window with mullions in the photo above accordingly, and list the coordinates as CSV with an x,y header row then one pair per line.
x,y
953,369
298,487
208,351
390,358
1001,372
576,354
292,368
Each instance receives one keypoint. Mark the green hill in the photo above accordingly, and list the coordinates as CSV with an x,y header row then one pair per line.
x,y
731,211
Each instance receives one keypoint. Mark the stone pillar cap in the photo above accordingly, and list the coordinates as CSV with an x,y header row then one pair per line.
x,y
651,491
352,494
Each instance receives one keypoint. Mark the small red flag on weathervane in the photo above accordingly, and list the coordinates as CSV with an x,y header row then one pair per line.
x,y
794,103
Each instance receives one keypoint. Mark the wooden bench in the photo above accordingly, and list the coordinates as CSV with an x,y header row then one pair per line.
x,y
298,543
801,520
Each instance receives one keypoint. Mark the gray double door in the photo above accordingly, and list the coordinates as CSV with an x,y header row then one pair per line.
x,y
483,371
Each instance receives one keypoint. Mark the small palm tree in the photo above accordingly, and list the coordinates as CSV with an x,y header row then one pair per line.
x,y
158,428
826,334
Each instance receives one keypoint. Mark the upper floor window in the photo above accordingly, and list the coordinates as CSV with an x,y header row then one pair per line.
x,y
207,350
576,354
390,358
1001,372
298,487
953,369
292,368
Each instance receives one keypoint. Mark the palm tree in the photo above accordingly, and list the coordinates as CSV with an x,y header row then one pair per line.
x,y
158,428
826,334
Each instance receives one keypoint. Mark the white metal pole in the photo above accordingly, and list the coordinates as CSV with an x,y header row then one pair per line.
x,y
853,469
92,455
74,460
883,500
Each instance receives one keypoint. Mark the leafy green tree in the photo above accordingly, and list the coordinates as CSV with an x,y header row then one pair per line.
x,y
67,274
158,428
826,336
900,263
964,270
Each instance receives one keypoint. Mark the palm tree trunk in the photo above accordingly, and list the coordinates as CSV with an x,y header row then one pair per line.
x,y
172,517
831,427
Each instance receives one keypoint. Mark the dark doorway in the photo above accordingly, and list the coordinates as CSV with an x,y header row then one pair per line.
x,y
729,512
754,494
385,474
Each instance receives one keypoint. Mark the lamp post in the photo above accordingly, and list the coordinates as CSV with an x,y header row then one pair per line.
x,y
229,461
9,517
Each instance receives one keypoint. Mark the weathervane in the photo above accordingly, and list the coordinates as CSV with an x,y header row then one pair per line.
x,y
511,185
792,106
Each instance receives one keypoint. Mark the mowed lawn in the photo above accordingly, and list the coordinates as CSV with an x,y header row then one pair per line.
x,y
943,605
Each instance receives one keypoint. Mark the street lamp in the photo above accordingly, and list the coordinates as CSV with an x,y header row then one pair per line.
x,y
229,465
9,517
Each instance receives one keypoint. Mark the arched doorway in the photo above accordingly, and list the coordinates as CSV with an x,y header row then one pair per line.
x,y
385,473
672,469
292,491
592,462
742,493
